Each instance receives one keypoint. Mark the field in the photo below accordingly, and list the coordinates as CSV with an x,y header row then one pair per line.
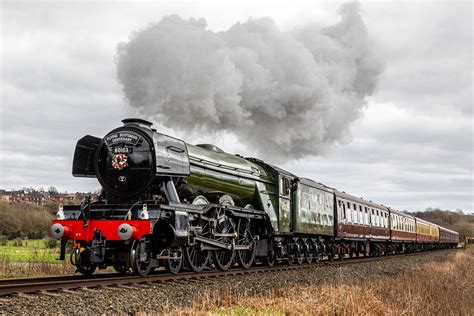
x,y
435,288
22,258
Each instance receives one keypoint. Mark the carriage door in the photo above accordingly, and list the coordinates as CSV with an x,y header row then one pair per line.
x,y
284,203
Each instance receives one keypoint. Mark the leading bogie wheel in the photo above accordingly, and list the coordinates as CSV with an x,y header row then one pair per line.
x,y
82,262
175,265
88,270
140,258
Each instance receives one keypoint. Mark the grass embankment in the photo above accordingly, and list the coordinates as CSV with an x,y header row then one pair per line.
x,y
437,288
22,258
24,220
23,252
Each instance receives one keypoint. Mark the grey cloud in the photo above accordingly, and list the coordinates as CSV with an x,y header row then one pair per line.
x,y
411,149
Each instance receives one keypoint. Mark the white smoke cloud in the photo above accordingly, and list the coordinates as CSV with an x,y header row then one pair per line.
x,y
283,94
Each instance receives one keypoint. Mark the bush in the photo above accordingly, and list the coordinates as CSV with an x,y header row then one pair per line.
x,y
17,243
13,235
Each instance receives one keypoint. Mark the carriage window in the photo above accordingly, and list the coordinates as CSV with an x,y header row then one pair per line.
x,y
349,213
339,209
343,210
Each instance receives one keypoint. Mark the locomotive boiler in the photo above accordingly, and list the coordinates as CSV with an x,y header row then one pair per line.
x,y
165,202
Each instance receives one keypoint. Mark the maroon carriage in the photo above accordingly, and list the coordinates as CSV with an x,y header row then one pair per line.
x,y
402,231
362,226
448,238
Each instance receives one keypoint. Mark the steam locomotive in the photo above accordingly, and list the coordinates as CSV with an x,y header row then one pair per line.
x,y
172,204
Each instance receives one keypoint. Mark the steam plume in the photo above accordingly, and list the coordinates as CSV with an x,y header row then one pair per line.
x,y
283,94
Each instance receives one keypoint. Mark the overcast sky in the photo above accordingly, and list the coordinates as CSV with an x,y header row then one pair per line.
x,y
412,149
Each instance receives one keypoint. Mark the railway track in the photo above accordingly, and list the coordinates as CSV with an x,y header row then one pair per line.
x,y
54,285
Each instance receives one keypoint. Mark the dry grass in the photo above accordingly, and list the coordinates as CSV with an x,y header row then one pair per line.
x,y
14,269
27,258
437,288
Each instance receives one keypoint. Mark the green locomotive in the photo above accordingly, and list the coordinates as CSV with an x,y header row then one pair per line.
x,y
167,202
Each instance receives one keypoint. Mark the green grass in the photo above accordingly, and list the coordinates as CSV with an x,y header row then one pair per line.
x,y
24,251
22,258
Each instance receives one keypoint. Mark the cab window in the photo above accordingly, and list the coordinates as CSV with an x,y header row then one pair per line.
x,y
284,186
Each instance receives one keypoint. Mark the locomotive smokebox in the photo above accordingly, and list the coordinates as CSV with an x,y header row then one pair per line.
x,y
125,159
131,158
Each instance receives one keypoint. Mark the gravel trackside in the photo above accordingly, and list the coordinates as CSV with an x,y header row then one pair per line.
x,y
172,296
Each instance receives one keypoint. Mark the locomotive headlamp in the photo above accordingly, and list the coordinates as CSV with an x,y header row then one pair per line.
x,y
59,231
144,213
60,214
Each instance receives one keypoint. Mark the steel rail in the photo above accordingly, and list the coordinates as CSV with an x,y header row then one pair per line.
x,y
58,283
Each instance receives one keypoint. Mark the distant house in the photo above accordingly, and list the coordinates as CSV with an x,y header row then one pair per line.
x,y
41,197
5,196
